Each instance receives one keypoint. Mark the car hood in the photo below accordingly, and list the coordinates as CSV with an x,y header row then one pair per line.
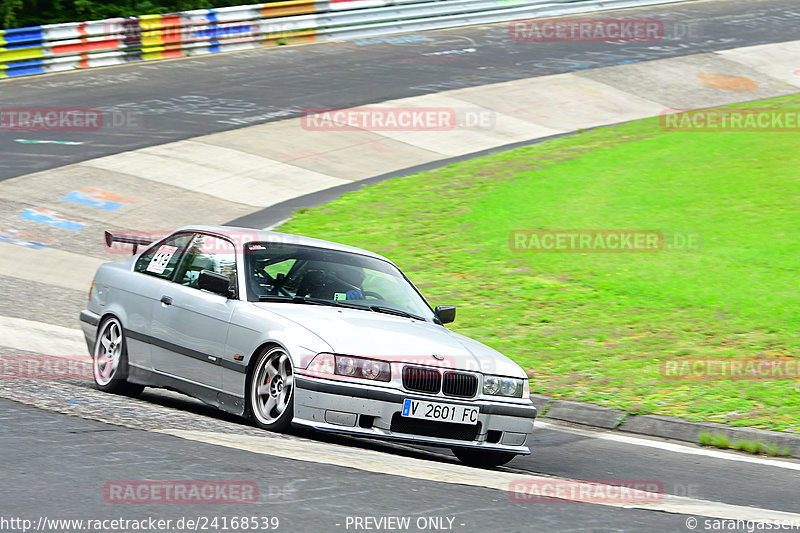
x,y
393,338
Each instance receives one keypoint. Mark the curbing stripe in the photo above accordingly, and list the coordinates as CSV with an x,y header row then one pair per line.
x,y
41,338
49,266
728,455
384,463
667,427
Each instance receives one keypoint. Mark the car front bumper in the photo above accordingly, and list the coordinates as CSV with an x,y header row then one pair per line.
x,y
375,412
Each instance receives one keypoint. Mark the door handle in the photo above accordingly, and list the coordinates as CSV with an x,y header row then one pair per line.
x,y
166,300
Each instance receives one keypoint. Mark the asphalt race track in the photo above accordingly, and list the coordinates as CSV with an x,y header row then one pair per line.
x,y
59,465
157,102
62,442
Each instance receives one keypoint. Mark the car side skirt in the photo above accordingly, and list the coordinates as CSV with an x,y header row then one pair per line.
x,y
209,395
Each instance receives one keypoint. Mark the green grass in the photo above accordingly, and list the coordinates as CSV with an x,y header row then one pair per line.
x,y
704,439
595,327
743,445
720,441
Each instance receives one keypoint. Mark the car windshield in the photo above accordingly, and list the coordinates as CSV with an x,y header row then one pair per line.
x,y
306,274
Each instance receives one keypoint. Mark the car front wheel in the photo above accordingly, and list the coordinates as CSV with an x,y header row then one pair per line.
x,y
110,360
270,396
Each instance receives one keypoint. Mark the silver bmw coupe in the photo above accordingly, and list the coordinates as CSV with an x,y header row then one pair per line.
x,y
288,330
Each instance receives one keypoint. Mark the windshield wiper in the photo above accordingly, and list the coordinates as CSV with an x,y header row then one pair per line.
x,y
337,303
306,300
275,298
334,303
393,311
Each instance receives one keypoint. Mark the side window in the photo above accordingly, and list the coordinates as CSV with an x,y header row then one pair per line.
x,y
207,252
161,259
270,277
281,268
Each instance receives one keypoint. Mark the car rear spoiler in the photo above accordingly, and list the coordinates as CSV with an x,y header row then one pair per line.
x,y
128,238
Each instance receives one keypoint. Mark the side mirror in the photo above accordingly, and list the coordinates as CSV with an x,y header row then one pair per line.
x,y
213,282
445,313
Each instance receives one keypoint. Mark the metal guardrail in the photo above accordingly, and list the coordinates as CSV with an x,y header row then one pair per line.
x,y
76,45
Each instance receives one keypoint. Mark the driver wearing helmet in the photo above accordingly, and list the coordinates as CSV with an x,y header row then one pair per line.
x,y
348,279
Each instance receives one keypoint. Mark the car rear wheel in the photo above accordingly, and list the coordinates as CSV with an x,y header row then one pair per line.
x,y
483,458
270,396
110,360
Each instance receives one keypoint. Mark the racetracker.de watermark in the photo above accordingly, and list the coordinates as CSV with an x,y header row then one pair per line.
x,y
180,492
619,241
787,120
591,491
211,522
587,30
166,31
66,119
768,369
397,119
45,367
602,241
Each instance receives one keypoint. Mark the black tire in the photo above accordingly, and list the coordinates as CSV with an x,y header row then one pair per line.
x,y
270,390
482,458
111,349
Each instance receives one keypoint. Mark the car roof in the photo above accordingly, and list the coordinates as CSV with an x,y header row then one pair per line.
x,y
242,236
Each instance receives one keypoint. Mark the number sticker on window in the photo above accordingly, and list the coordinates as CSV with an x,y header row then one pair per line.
x,y
160,261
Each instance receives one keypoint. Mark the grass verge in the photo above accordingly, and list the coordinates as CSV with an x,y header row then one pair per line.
x,y
600,327
754,447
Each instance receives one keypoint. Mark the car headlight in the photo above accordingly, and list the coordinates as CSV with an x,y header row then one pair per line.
x,y
502,386
354,367
323,363
358,367
372,369
491,385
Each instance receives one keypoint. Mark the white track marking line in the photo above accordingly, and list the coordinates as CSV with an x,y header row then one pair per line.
x,y
384,463
671,446
41,338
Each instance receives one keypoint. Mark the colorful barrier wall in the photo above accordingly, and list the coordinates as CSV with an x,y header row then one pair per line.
x,y
75,45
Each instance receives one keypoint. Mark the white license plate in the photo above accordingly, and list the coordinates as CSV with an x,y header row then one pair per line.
x,y
440,412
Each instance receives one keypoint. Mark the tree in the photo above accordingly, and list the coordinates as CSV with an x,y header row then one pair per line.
x,y
8,12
